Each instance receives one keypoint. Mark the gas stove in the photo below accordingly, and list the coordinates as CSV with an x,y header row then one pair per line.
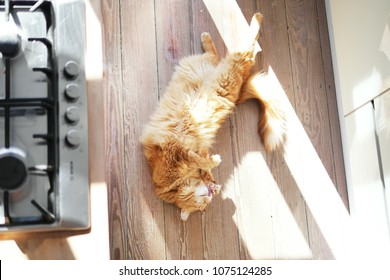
x,y
43,116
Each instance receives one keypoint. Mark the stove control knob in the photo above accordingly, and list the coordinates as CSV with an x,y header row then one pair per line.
x,y
72,114
72,92
72,69
73,138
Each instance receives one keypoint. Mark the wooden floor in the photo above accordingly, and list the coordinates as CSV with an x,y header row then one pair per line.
x,y
261,213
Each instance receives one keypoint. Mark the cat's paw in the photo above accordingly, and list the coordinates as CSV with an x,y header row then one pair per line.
x,y
214,189
216,159
217,189
205,37
258,17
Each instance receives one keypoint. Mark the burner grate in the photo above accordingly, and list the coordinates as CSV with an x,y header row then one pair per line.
x,y
11,107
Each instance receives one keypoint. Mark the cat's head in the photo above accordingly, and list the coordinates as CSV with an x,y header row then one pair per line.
x,y
195,197
182,176
191,193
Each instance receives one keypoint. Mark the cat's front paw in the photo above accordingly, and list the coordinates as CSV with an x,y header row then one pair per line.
x,y
216,159
214,189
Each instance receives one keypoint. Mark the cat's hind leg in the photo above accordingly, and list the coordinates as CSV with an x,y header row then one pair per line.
x,y
209,48
235,68
208,44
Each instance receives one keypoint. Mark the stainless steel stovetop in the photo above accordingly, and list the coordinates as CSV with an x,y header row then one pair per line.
x,y
43,116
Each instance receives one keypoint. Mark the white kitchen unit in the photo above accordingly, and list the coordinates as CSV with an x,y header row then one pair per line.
x,y
360,41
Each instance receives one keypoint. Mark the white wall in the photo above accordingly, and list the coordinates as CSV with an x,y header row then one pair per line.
x,y
361,49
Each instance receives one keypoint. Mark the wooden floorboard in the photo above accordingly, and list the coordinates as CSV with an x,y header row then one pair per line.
x,y
338,159
292,234
260,213
173,23
219,217
114,127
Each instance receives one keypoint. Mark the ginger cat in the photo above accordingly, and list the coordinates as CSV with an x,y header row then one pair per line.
x,y
199,98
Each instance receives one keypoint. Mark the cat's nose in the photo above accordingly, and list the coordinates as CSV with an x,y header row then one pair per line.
x,y
215,188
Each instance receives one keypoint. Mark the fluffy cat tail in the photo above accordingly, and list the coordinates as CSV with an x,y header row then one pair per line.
x,y
272,121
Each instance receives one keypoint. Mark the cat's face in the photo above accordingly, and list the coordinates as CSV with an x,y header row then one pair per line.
x,y
193,199
182,177
196,193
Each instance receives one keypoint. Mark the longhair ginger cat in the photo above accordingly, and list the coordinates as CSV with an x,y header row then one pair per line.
x,y
199,98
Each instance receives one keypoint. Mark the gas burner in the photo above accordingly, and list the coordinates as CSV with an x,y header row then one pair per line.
x,y
9,40
13,169
9,37
43,116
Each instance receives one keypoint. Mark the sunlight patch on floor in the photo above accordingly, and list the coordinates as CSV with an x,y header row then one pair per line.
x,y
231,24
306,167
10,251
310,174
263,213
94,49
149,221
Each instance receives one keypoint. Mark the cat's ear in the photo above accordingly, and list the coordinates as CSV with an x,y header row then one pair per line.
x,y
184,215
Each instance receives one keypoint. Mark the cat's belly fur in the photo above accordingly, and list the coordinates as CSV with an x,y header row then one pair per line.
x,y
191,109
193,120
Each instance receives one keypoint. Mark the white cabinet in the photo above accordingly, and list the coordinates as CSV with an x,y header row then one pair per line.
x,y
359,33
366,189
382,118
